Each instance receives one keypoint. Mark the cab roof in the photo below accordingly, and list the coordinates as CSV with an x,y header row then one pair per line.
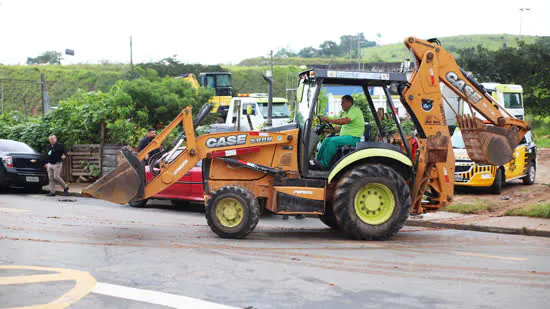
x,y
340,77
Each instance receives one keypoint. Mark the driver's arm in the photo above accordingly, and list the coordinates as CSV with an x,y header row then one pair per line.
x,y
340,121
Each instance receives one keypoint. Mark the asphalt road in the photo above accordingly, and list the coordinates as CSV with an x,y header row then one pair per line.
x,y
92,254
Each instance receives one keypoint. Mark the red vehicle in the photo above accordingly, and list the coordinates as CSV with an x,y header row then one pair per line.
x,y
188,188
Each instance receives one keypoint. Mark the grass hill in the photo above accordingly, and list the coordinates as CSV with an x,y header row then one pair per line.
x,y
397,52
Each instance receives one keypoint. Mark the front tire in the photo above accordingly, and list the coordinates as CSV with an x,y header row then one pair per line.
x,y
138,204
328,217
232,212
372,202
529,179
496,188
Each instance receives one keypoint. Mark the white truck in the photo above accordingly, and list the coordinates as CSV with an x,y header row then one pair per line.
x,y
507,95
248,112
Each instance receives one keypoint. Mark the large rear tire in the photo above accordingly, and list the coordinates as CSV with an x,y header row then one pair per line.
x,y
371,202
232,212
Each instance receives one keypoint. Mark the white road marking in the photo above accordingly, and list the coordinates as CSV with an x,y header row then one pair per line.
x,y
13,210
154,297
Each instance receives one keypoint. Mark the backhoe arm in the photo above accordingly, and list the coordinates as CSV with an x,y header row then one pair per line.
x,y
423,99
485,144
127,182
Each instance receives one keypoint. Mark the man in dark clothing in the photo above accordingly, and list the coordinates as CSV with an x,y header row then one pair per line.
x,y
151,134
54,164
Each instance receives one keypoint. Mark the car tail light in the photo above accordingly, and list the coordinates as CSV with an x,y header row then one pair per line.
x,y
8,161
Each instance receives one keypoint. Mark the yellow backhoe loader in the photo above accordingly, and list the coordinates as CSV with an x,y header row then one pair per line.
x,y
369,190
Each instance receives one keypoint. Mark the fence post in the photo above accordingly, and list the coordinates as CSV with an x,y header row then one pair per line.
x,y
101,145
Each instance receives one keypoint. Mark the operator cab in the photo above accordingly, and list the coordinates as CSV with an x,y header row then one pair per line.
x,y
313,102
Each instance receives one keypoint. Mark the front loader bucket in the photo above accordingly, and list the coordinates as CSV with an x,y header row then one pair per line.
x,y
485,144
124,184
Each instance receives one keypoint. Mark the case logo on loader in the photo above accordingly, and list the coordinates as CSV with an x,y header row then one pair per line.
x,y
468,91
231,140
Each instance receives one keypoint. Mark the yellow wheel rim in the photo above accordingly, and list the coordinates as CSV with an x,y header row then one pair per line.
x,y
230,212
374,203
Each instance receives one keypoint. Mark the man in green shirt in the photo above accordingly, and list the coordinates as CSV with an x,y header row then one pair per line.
x,y
351,127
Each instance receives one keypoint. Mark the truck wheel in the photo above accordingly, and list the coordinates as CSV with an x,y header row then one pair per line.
x,y
138,204
529,179
496,188
372,202
328,217
232,212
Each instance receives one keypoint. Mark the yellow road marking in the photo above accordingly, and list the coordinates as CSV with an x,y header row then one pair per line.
x,y
511,258
13,210
84,283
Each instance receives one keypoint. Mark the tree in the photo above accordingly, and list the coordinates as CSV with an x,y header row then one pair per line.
x,y
527,65
48,57
173,67
329,49
285,53
307,52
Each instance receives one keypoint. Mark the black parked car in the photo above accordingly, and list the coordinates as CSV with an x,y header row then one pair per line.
x,y
21,166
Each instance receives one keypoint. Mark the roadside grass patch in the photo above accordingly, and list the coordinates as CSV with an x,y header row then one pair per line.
x,y
539,210
470,208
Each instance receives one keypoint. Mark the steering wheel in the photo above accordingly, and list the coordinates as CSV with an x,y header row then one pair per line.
x,y
325,124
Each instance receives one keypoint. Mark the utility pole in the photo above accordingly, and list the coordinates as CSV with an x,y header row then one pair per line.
x,y
521,10
3,89
359,53
131,56
269,79
43,93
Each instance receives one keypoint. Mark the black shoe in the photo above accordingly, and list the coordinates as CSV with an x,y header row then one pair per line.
x,y
66,191
316,165
299,217
285,217
51,194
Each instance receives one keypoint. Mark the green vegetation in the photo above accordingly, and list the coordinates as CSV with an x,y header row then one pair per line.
x,y
541,130
539,210
22,83
527,65
470,208
126,110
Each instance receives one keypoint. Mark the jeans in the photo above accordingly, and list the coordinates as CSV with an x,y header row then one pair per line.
x,y
330,145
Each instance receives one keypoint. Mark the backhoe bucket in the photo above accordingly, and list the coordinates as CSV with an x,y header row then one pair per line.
x,y
486,144
124,184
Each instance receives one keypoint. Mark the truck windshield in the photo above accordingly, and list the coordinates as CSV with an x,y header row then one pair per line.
x,y
457,141
280,110
512,100
223,80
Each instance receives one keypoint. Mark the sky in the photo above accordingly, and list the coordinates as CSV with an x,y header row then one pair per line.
x,y
226,32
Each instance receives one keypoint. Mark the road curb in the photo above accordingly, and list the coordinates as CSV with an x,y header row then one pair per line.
x,y
478,228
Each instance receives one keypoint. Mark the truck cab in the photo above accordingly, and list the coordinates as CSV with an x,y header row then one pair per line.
x,y
255,107
221,83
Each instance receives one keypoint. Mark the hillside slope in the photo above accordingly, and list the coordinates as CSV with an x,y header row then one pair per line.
x,y
397,52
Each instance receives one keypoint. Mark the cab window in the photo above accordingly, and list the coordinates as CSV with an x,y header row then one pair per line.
x,y
512,100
